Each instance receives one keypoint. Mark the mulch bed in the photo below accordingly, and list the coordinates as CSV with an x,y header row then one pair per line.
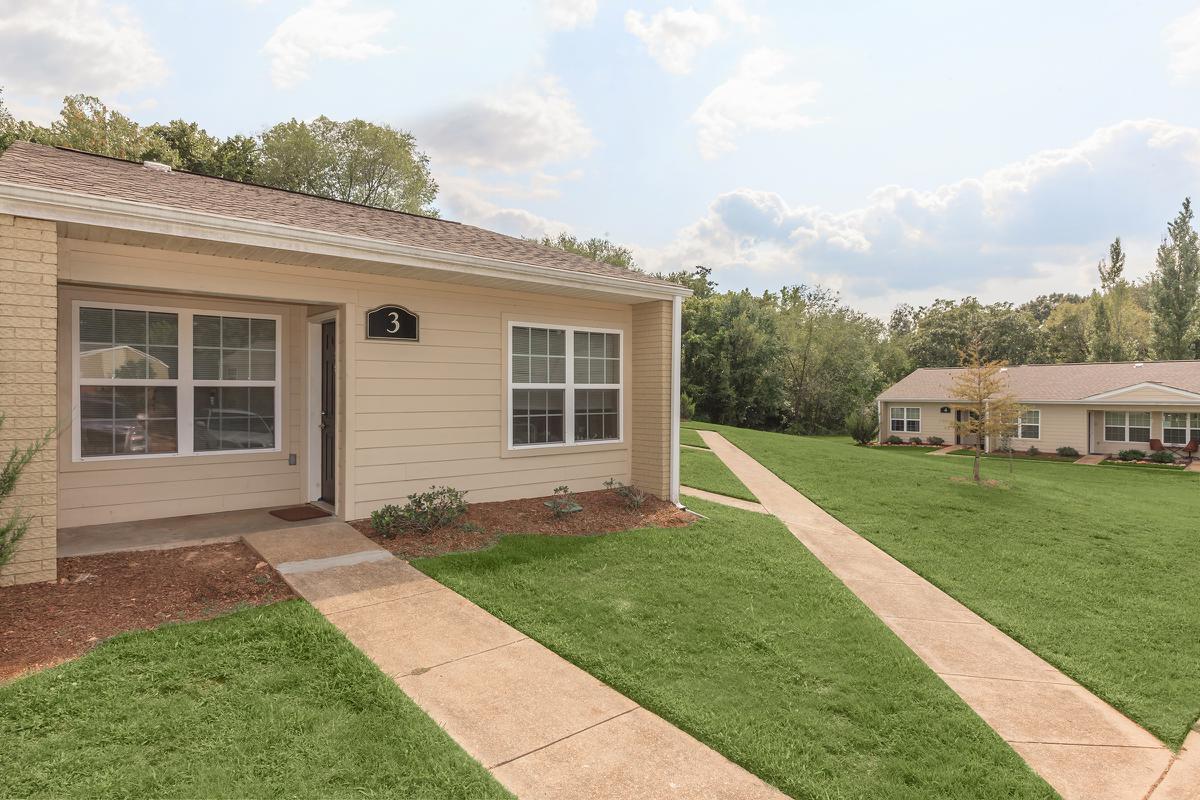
x,y
96,597
484,523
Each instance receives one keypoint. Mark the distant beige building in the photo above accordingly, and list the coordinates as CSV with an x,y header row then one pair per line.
x,y
1094,408
208,345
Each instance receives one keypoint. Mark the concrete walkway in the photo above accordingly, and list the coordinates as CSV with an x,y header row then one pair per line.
x,y
1091,460
544,727
1080,745
945,451
725,500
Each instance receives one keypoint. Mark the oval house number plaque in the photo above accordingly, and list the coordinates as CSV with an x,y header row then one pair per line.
x,y
396,323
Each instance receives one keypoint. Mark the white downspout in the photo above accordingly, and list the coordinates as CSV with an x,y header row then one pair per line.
x,y
879,418
676,357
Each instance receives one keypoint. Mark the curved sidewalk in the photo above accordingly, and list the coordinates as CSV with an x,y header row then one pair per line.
x,y
1080,745
541,725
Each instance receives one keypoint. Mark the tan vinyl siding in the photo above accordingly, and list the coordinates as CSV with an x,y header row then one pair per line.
x,y
933,422
120,490
28,306
411,414
1148,394
1061,426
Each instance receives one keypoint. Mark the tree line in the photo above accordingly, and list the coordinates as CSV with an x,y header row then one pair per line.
x,y
797,359
800,360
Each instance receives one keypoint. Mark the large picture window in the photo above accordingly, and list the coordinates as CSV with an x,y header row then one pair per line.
x,y
160,382
906,420
1180,427
565,385
1127,426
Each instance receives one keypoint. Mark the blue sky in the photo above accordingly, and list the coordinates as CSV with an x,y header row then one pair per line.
x,y
894,151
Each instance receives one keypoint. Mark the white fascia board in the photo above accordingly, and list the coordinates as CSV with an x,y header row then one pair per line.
x,y
60,206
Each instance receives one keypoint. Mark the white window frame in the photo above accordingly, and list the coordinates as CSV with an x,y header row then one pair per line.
x,y
1126,426
1191,426
903,418
1022,424
184,384
568,387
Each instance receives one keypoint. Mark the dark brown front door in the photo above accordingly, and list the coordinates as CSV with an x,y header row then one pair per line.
x,y
328,410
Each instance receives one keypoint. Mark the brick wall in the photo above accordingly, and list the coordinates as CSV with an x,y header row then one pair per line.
x,y
28,324
651,446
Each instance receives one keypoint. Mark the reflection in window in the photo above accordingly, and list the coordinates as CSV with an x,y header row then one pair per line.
x,y
233,349
537,416
596,415
234,418
127,420
128,345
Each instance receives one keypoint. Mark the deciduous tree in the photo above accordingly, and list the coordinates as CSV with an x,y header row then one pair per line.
x,y
596,248
990,410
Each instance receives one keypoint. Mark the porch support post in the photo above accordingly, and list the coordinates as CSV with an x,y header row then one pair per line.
x,y
676,357
29,389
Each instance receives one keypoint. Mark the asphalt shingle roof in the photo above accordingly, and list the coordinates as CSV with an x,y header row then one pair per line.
x,y
1061,382
84,173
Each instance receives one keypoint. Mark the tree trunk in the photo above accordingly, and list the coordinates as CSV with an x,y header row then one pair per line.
x,y
975,469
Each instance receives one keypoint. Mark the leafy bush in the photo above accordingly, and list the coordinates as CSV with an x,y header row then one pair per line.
x,y
862,424
13,529
936,441
1033,451
1162,457
1131,455
893,439
563,501
424,511
632,495
916,440
1067,452
687,406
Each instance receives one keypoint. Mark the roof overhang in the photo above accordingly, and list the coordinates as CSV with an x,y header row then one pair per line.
x,y
71,207
1161,387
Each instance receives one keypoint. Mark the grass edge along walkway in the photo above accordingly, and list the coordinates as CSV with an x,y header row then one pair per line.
x,y
270,701
1083,747
732,631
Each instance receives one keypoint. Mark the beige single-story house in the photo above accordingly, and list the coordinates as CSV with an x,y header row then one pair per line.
x,y
1094,408
207,345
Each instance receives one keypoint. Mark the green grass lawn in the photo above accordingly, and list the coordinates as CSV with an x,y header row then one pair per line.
x,y
731,630
1096,570
267,702
689,436
705,471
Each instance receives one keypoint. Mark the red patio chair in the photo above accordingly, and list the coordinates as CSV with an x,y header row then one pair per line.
x,y
1190,450
1156,444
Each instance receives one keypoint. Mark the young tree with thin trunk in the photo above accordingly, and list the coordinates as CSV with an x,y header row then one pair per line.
x,y
990,411
1175,288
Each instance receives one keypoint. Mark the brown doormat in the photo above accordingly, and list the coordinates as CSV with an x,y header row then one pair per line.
x,y
299,513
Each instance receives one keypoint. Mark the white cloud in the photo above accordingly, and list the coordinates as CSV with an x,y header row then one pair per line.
x,y
1040,222
522,128
1182,37
566,15
674,38
464,199
752,99
324,30
59,47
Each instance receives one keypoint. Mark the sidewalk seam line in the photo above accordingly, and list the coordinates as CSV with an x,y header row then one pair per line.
x,y
564,738
1086,744
381,602
425,670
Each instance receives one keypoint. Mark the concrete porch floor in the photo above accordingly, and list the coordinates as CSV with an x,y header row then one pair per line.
x,y
169,532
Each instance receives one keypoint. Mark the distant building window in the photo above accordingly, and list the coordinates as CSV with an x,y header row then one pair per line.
x,y
1029,426
1127,426
906,420
1180,428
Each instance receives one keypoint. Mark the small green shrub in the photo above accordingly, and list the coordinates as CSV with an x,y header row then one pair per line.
x,y
563,501
1033,451
424,511
1131,455
893,439
936,441
1162,457
632,495
1067,452
687,406
916,440
862,424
